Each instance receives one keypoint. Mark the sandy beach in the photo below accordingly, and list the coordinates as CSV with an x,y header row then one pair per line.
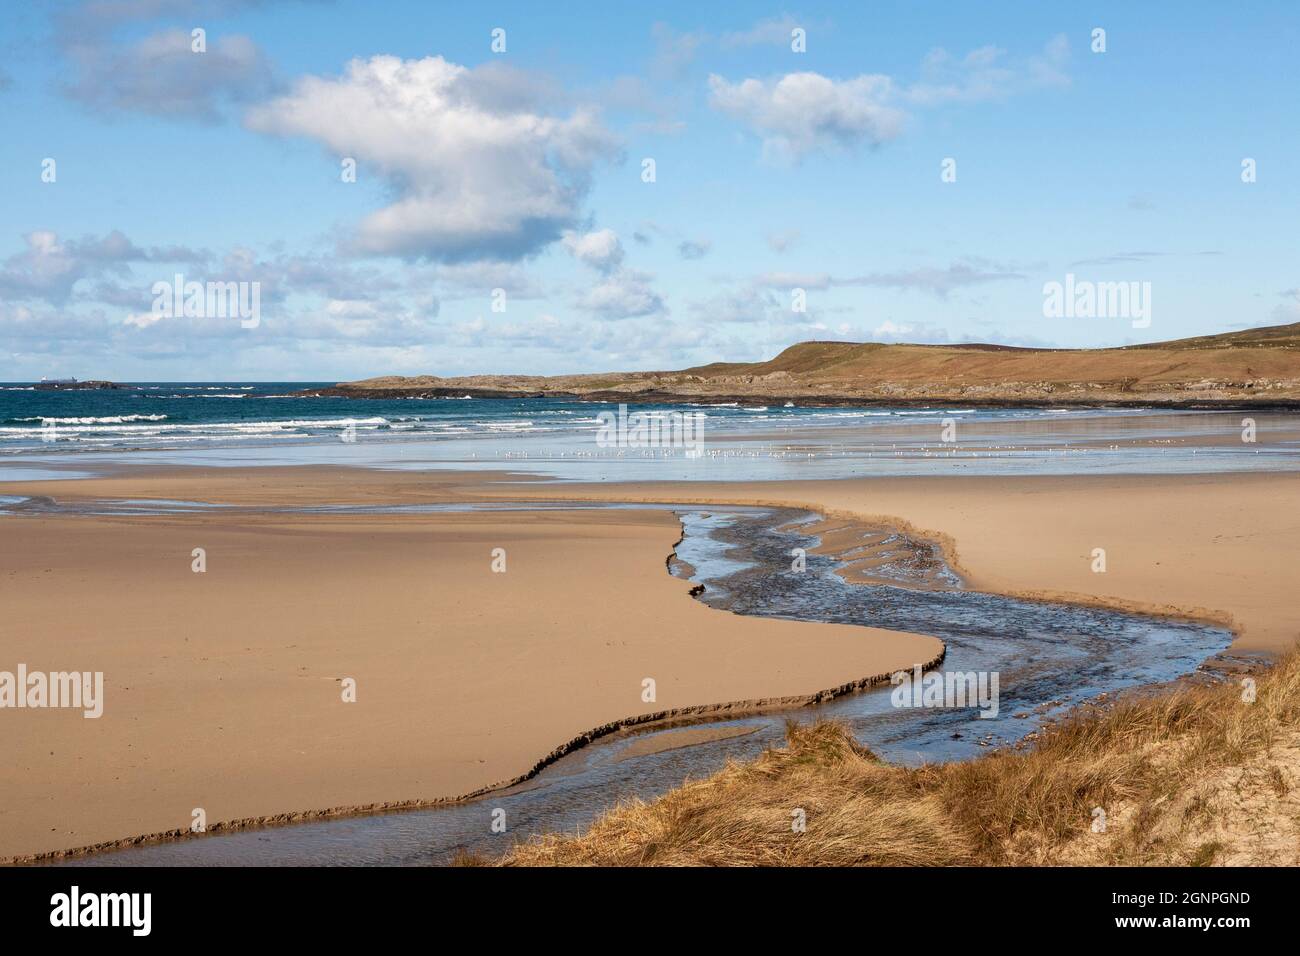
x,y
223,688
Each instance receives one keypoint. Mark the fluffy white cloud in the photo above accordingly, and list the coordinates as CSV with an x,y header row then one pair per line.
x,y
50,267
479,171
799,113
623,294
802,112
922,332
45,269
600,250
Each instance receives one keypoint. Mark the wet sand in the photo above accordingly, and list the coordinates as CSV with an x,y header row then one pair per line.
x,y
1219,547
223,688
676,739
798,448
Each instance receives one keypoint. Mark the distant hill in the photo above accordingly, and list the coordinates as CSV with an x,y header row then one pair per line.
x,y
1269,336
1253,367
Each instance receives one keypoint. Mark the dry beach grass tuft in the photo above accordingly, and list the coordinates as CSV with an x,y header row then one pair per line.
x,y
1192,776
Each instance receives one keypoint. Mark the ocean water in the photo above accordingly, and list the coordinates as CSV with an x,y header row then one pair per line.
x,y
160,414
249,423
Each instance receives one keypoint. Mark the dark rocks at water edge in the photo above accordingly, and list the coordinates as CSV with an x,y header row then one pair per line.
x,y
821,400
79,386
345,391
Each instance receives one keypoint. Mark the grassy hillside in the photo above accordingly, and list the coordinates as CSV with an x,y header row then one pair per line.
x,y
1255,366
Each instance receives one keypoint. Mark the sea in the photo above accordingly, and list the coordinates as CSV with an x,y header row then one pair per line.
x,y
249,423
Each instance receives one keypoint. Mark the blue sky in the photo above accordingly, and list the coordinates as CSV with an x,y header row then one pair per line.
x,y
521,171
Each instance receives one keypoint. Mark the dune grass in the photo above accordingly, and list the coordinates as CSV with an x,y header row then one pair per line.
x,y
1170,770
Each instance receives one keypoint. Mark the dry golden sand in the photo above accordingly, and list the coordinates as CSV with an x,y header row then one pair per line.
x,y
222,689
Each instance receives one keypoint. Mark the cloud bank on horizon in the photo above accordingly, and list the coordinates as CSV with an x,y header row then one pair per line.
x,y
506,189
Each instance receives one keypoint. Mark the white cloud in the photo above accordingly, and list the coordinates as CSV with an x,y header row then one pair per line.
x,y
802,112
890,331
794,280
623,294
351,308
479,172
600,250
141,320
50,267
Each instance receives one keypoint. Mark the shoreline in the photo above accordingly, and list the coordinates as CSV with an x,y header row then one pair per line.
x,y
810,400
